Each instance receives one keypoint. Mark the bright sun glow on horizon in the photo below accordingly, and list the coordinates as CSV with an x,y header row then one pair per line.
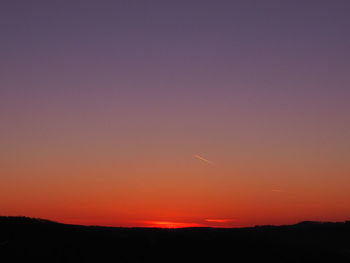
x,y
167,224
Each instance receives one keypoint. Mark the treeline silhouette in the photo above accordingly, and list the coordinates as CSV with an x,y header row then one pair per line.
x,y
25,239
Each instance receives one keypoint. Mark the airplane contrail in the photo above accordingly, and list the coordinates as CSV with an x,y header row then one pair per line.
x,y
203,159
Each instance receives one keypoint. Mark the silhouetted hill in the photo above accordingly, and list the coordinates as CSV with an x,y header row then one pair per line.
x,y
36,240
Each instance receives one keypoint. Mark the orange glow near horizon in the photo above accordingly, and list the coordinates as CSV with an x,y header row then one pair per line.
x,y
192,194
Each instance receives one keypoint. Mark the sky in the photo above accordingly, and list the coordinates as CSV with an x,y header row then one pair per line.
x,y
175,113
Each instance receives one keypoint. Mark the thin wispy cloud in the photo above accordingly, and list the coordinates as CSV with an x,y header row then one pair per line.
x,y
203,159
219,220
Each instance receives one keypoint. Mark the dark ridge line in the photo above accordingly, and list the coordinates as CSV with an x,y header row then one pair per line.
x,y
25,219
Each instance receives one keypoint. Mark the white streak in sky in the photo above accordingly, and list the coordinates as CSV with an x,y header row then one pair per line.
x,y
203,159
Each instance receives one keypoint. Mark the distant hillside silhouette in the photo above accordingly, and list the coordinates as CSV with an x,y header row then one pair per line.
x,y
36,240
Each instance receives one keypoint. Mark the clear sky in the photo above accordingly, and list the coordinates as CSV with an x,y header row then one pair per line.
x,y
175,113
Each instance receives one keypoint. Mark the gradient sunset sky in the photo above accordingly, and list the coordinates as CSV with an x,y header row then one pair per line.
x,y
175,113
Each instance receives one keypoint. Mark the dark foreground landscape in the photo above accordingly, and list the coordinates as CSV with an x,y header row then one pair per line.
x,y
35,240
